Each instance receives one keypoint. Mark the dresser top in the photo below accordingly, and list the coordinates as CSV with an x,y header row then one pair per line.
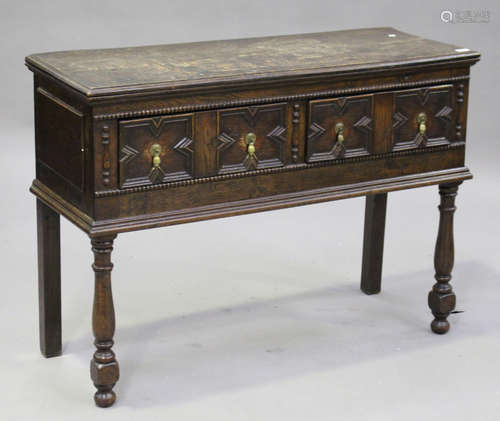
x,y
142,69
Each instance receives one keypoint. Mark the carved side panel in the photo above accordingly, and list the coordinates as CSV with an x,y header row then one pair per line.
x,y
436,104
356,115
136,161
267,122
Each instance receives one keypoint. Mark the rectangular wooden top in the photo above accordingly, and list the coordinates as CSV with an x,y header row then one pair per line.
x,y
141,69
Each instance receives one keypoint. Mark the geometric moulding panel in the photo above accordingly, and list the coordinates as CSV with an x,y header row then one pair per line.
x,y
266,122
434,105
354,114
172,138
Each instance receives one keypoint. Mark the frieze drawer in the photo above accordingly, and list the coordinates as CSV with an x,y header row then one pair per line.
x,y
178,147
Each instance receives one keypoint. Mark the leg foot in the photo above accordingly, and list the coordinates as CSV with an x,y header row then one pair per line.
x,y
440,326
442,298
104,369
104,398
49,279
373,243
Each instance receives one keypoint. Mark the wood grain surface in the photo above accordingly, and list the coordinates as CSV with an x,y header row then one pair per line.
x,y
100,71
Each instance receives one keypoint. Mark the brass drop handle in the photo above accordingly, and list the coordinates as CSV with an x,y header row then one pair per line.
x,y
155,151
250,139
339,131
422,127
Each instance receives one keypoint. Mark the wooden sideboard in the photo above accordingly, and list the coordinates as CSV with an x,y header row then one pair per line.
x,y
145,137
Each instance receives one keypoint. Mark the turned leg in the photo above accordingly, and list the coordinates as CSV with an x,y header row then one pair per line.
x,y
442,297
373,243
104,369
49,279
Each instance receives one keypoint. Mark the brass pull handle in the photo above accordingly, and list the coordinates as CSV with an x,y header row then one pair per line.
x,y
339,131
155,151
422,127
250,139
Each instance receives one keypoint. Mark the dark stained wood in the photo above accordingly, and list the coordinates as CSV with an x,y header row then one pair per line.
x,y
60,139
373,243
436,104
228,95
174,134
441,297
104,369
270,183
106,160
382,123
356,116
60,146
267,122
299,121
95,72
243,207
98,114
462,90
205,152
49,280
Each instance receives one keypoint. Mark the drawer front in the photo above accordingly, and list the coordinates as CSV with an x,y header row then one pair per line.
x,y
422,117
156,150
340,128
251,138
173,148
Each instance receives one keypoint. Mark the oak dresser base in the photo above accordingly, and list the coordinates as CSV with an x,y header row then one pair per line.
x,y
147,137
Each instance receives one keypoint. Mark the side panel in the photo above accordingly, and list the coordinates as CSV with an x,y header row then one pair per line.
x,y
60,146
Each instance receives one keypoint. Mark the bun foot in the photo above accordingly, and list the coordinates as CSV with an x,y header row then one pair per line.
x,y
440,326
104,398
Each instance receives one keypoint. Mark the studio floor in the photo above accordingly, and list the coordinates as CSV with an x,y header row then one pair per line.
x,y
260,317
